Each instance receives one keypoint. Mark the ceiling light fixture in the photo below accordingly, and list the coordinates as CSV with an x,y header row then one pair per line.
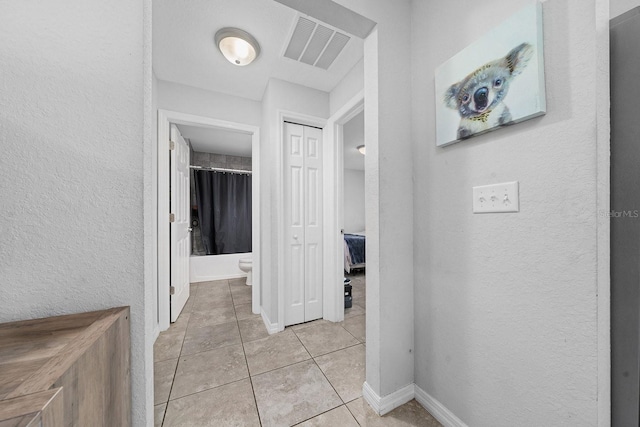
x,y
238,46
361,149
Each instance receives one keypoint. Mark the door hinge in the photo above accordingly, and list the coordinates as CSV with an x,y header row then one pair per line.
x,y
172,217
172,145
172,290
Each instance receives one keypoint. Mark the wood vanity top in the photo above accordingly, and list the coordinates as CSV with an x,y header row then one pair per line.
x,y
36,354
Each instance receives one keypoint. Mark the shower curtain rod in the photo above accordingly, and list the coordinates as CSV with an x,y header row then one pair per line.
x,y
220,170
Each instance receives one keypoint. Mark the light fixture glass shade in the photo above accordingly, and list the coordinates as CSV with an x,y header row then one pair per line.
x,y
361,149
238,46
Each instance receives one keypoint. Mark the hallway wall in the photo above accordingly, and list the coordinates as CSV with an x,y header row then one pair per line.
x,y
71,130
618,7
389,194
506,308
200,102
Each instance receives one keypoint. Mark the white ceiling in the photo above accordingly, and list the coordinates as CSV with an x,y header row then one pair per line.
x,y
219,141
353,135
184,50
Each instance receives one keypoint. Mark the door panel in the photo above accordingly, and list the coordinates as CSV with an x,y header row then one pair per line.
x,y
294,224
303,223
313,224
180,231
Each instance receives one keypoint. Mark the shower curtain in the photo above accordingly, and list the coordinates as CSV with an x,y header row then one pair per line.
x,y
224,211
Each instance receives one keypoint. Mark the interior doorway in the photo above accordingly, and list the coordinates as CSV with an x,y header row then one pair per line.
x,y
335,261
165,264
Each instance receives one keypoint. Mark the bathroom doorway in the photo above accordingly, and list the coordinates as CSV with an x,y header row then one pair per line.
x,y
238,136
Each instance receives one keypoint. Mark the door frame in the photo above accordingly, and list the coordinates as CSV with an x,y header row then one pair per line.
x,y
334,210
178,226
303,119
165,119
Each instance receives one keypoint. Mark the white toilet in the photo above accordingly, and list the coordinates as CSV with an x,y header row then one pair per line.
x,y
246,265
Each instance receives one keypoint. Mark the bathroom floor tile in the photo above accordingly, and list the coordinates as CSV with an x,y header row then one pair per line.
x,y
274,352
188,306
158,414
325,338
163,373
409,414
206,338
213,289
243,311
335,417
239,281
181,323
213,284
241,295
252,329
345,370
209,369
204,303
293,394
355,325
213,316
228,405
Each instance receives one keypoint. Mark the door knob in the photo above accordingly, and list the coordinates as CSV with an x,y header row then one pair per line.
x,y
295,236
189,229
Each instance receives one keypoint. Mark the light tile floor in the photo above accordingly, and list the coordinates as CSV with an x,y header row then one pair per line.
x,y
218,366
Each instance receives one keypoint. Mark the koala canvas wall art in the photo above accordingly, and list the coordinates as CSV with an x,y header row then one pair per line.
x,y
496,81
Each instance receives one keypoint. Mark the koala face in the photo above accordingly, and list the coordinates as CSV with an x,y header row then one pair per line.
x,y
487,86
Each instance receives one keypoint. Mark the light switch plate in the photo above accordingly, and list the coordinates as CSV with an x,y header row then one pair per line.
x,y
496,198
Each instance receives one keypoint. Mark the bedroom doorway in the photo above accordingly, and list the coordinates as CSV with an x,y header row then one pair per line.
x,y
346,216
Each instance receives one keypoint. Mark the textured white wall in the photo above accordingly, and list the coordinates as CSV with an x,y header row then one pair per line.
x,y
71,131
353,200
348,87
506,328
200,102
279,96
389,194
618,7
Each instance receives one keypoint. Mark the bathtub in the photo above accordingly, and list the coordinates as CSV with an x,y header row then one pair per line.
x,y
215,267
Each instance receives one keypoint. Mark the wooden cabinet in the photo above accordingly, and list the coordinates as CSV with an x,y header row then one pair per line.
x,y
69,370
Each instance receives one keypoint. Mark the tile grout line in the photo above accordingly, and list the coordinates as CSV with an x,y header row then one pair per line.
x,y
207,389
246,361
175,372
285,366
323,374
349,409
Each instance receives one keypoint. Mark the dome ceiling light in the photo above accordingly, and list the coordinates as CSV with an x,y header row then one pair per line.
x,y
239,47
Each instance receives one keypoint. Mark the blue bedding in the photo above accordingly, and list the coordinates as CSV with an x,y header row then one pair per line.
x,y
356,246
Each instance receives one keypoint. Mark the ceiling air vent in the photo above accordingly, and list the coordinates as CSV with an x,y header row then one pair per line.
x,y
315,44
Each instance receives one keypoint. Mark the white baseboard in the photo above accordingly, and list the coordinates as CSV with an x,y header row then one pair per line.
x,y
437,409
272,328
200,279
386,404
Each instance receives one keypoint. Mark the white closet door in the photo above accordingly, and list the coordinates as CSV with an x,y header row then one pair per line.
x,y
180,231
303,223
313,223
294,224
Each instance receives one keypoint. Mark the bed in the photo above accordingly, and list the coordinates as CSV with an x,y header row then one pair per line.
x,y
354,251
